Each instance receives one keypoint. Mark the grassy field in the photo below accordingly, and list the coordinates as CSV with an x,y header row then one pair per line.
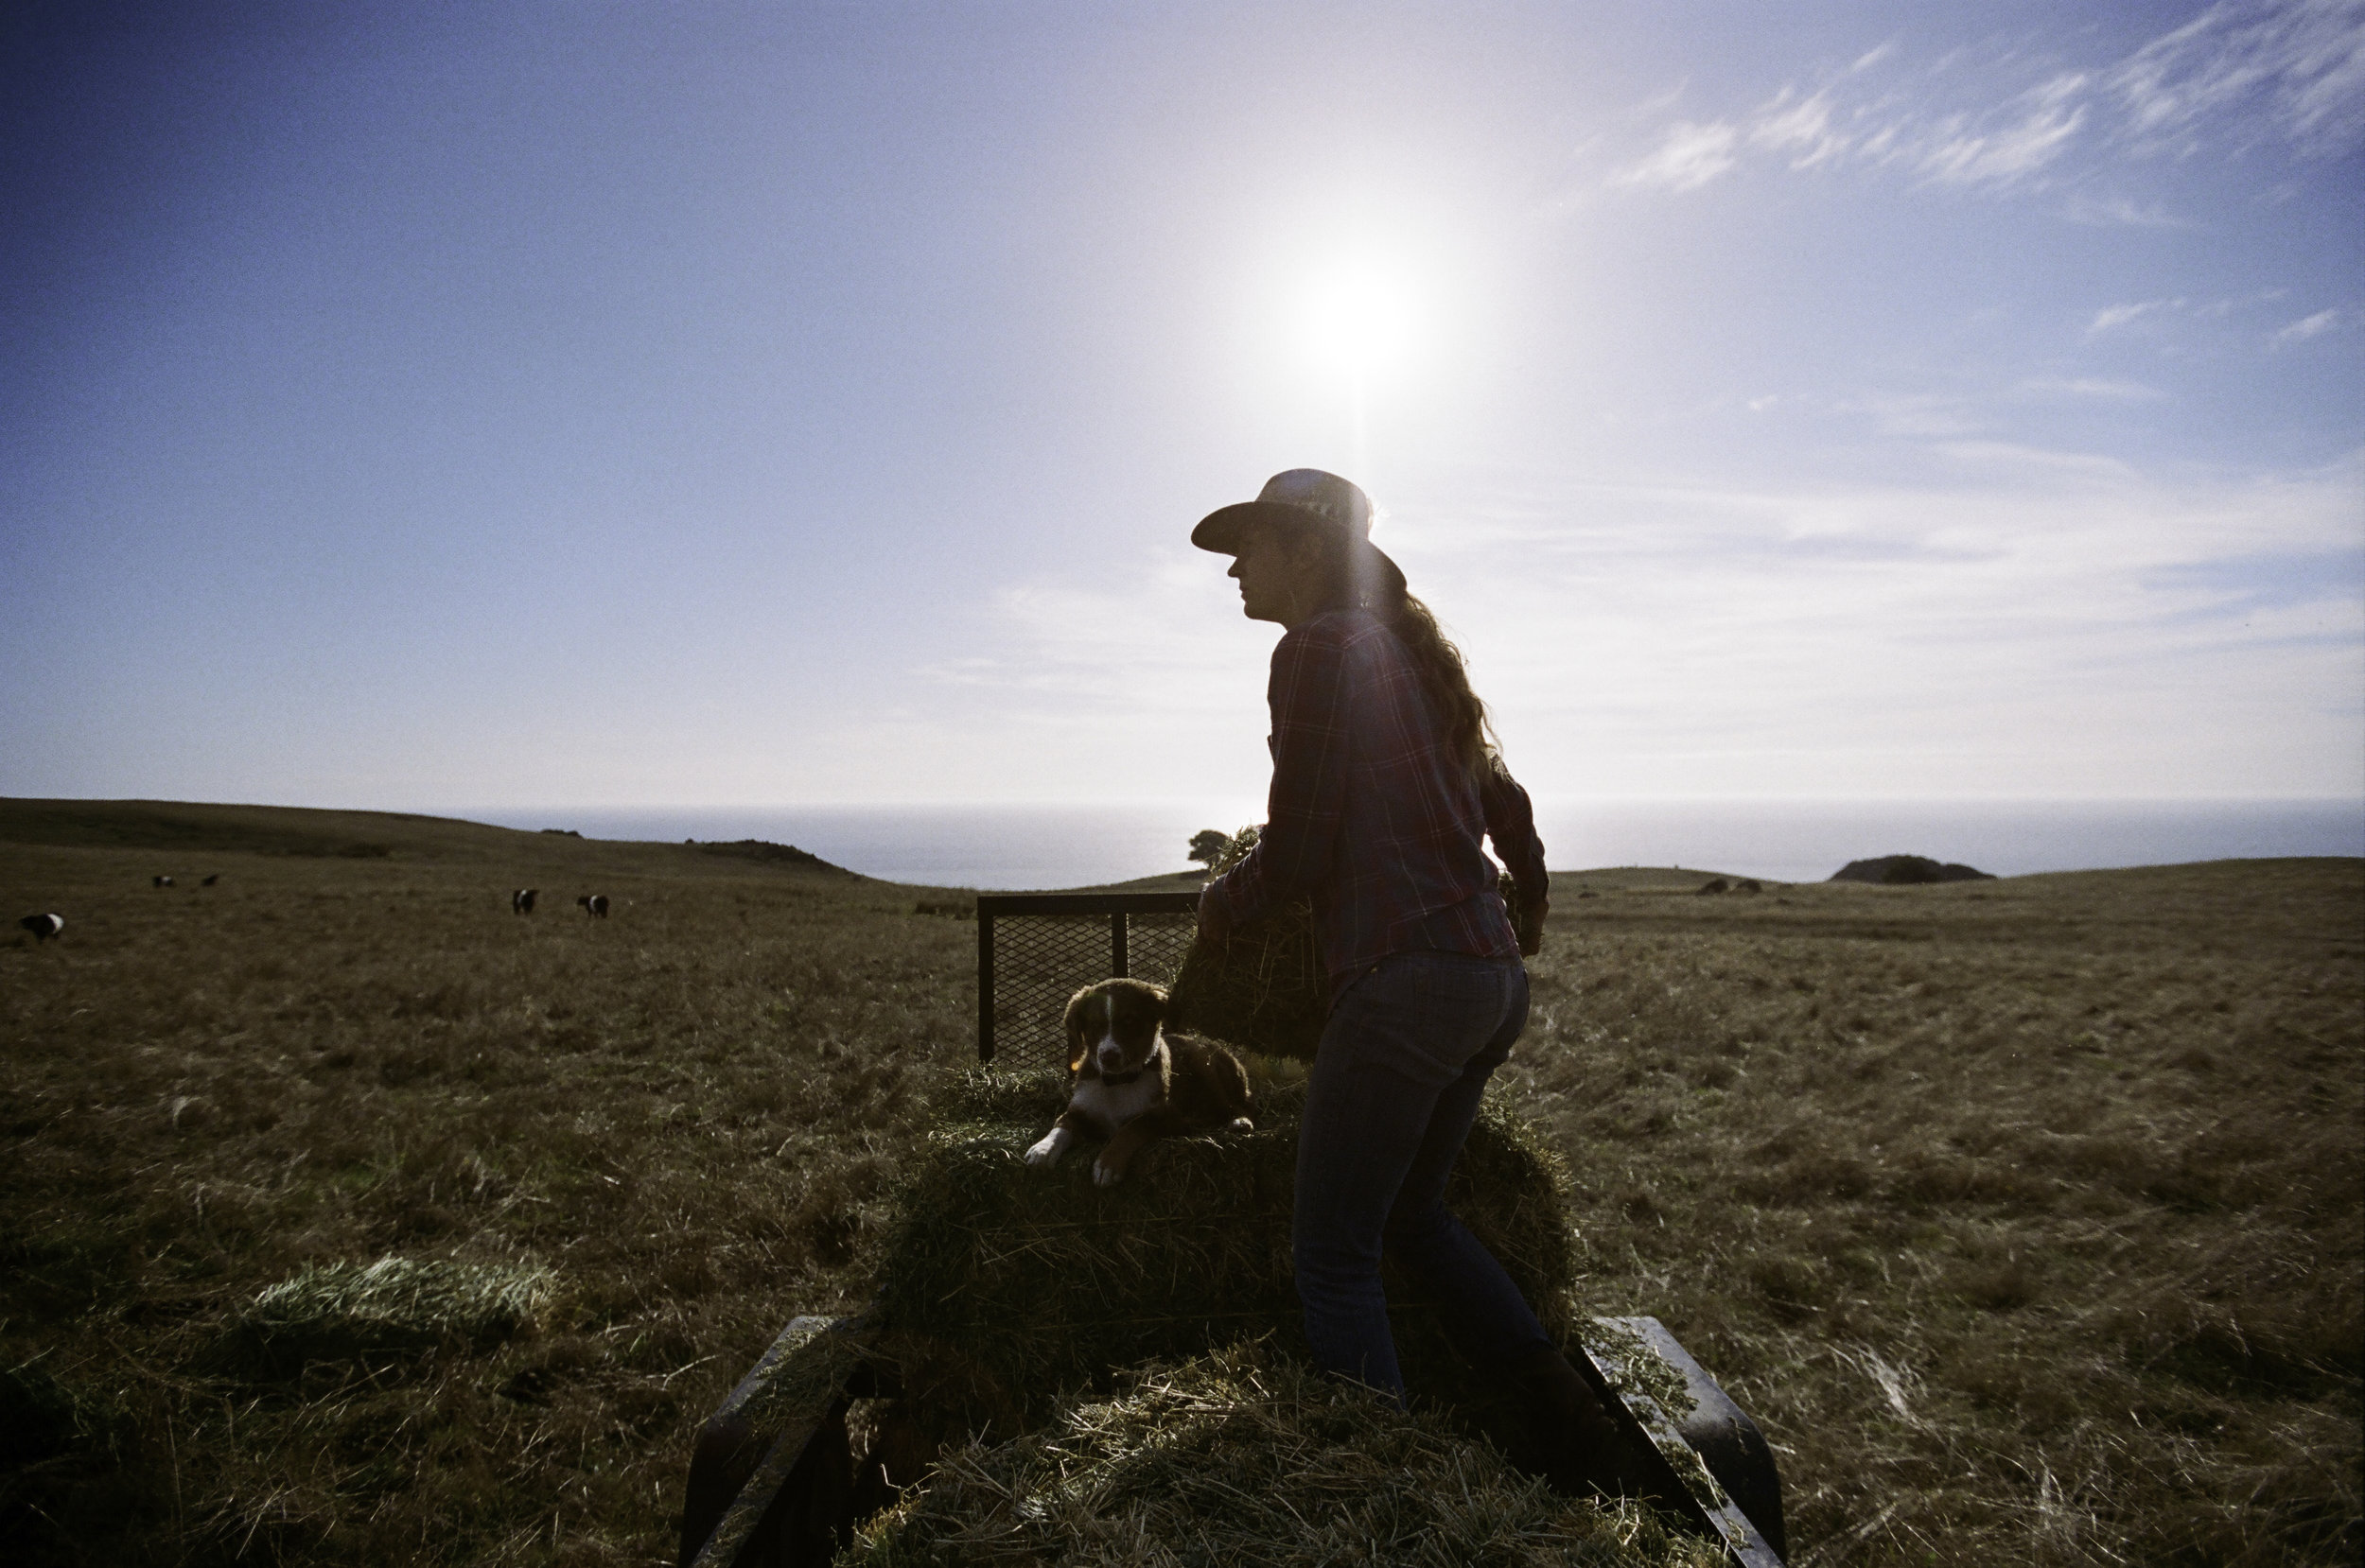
x,y
2026,1216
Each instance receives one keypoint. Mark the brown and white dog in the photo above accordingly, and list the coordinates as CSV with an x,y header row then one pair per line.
x,y
1132,1082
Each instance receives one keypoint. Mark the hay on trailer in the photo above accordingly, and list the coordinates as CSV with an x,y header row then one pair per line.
x,y
1263,988
1004,1287
1244,1456
1525,924
393,1305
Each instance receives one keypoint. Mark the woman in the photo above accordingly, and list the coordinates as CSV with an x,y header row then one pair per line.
x,y
1383,787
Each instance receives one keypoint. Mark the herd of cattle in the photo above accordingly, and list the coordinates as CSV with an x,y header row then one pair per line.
x,y
50,923
594,904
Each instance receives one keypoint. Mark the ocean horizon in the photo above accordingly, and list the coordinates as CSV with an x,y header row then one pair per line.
x,y
1011,847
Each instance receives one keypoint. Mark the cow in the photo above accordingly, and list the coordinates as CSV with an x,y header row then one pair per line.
x,y
160,881
211,880
594,904
521,901
44,927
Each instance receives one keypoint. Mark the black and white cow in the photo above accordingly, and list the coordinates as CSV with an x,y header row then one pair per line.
x,y
44,927
594,904
521,901
160,881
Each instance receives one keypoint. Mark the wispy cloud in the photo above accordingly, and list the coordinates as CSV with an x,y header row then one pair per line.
x,y
2092,385
1914,414
1690,156
2286,71
2218,309
2148,315
2120,211
2307,327
2294,69
1872,56
1802,131
2034,131
1082,656
2114,316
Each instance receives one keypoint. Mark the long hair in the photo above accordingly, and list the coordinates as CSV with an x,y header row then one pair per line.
x,y
1359,576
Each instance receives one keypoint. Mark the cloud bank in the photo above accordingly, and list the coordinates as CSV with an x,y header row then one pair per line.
x,y
2027,622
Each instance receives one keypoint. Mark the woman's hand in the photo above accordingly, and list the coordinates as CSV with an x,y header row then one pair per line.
x,y
1215,926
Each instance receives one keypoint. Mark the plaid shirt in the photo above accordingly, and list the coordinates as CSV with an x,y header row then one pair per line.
x,y
1373,814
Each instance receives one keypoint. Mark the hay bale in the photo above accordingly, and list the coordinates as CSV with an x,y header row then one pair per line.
x,y
1243,1456
1004,1287
1263,989
394,1305
1526,923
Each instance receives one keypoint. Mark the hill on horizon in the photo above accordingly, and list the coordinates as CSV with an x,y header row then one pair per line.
x,y
202,828
195,827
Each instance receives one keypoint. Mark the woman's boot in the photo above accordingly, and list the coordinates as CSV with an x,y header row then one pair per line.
x,y
1580,1446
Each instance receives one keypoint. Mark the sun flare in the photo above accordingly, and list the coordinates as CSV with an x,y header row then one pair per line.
x,y
1359,318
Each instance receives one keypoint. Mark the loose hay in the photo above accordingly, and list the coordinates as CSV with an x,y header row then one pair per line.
x,y
394,1304
1263,988
1245,1456
1004,1287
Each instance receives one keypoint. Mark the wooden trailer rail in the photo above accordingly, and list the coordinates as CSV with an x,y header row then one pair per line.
x,y
771,1480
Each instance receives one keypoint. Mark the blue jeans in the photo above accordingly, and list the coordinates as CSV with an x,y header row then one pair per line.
x,y
1403,1063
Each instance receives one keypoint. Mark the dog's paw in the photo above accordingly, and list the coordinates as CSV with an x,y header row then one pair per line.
x,y
1044,1151
1104,1175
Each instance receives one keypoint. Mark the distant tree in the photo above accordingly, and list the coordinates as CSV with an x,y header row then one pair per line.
x,y
1208,846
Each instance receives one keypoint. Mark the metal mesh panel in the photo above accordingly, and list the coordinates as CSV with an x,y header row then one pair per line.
x,y
1029,964
1159,942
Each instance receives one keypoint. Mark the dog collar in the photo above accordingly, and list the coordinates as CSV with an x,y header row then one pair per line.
x,y
1157,1053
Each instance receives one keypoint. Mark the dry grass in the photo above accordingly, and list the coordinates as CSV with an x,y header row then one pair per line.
x,y
350,1311
2026,1216
692,1114
1246,1457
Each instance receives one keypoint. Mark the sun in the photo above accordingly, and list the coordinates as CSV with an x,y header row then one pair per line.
x,y
1358,317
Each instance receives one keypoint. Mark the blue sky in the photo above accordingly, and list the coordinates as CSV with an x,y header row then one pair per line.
x,y
731,404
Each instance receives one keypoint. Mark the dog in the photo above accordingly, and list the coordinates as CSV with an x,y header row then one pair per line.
x,y
1131,1082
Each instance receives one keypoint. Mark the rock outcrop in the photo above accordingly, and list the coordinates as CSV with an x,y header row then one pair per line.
x,y
1895,870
